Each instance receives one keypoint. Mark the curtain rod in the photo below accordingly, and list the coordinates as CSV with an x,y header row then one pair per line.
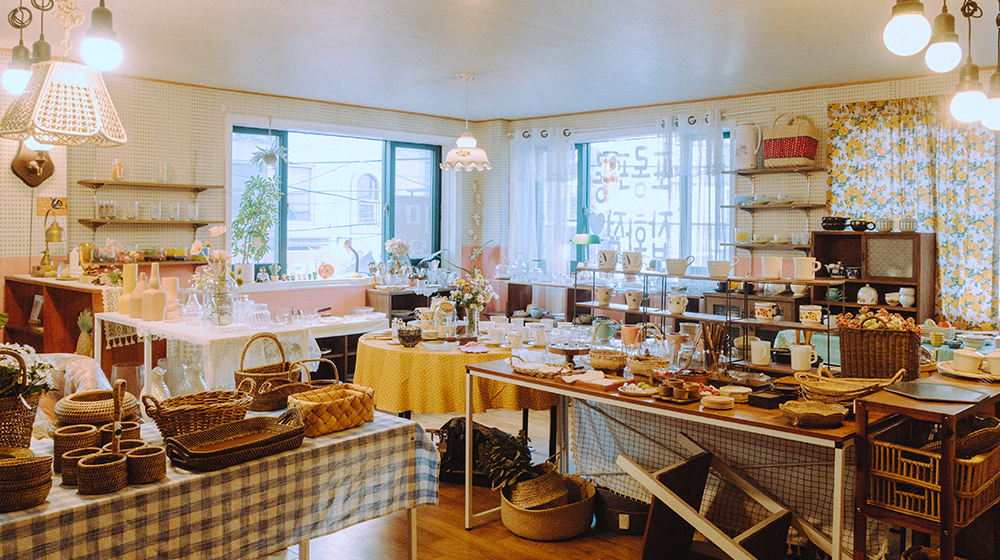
x,y
658,123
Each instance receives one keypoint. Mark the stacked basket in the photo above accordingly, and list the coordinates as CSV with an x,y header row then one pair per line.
x,y
25,481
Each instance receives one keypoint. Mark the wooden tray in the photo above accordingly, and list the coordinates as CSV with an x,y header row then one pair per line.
x,y
678,401
618,382
237,442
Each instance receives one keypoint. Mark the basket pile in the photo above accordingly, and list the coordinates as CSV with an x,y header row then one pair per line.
x,y
642,365
198,411
823,387
610,361
274,392
259,374
24,482
16,419
334,408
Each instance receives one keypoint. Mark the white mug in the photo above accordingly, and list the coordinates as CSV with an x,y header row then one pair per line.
x,y
516,340
634,299
631,261
525,333
606,260
764,311
604,295
496,335
541,338
678,267
802,357
547,323
499,319
760,352
720,269
812,314
770,267
518,322
677,303
805,268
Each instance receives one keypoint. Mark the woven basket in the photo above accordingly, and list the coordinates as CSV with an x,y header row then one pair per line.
x,y
101,473
70,459
12,470
335,408
198,411
16,453
556,523
130,430
124,446
823,387
620,514
974,435
25,498
16,419
545,491
26,483
92,407
879,353
607,360
69,438
273,393
534,369
790,145
644,364
260,374
146,464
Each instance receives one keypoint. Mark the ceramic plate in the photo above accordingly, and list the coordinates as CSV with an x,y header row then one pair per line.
x,y
948,369
639,393
440,346
393,342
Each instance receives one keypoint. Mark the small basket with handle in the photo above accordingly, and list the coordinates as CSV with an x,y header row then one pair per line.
x,y
791,144
273,394
199,411
879,353
642,365
17,413
260,374
609,360
824,387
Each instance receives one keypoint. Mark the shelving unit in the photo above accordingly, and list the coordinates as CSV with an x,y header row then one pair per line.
x,y
96,184
63,302
94,223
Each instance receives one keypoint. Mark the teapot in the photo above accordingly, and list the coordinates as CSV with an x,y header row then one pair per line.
x,y
867,295
500,272
835,269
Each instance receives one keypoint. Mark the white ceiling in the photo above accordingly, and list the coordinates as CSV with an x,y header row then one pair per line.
x,y
532,57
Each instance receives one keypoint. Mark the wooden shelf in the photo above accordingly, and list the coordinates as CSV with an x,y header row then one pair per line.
x,y
776,171
754,207
773,367
868,305
786,325
95,184
99,222
35,330
769,246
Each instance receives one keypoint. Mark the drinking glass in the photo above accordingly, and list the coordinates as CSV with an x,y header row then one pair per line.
x,y
134,377
192,211
155,211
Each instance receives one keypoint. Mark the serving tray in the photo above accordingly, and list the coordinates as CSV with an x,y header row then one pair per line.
x,y
236,442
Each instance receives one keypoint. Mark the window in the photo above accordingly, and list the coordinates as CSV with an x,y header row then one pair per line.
x,y
336,188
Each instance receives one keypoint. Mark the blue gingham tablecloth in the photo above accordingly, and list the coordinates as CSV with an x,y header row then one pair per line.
x,y
244,511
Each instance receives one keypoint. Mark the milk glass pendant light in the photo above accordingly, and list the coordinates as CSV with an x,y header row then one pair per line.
x,y
943,53
15,77
101,49
908,31
465,155
967,105
990,113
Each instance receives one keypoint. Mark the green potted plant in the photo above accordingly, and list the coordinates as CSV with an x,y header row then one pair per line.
x,y
258,213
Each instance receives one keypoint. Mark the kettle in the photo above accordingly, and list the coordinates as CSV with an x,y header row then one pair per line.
x,y
500,272
835,269
867,295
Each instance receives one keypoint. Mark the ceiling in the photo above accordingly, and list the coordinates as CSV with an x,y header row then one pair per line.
x,y
531,57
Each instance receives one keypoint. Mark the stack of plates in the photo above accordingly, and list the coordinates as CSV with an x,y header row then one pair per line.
x,y
717,402
738,393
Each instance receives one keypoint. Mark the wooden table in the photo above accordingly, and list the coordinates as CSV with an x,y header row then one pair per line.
x,y
947,414
742,418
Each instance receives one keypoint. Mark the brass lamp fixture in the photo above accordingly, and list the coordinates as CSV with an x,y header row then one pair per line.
x,y
53,234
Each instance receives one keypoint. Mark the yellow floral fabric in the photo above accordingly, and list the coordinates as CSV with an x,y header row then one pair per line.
x,y
909,158
434,382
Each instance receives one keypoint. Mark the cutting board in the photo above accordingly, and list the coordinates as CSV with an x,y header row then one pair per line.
x,y
935,392
618,382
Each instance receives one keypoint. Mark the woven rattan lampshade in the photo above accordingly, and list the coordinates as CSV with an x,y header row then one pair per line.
x,y
65,104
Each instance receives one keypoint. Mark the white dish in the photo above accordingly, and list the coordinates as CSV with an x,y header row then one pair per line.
x,y
394,342
440,346
947,369
331,320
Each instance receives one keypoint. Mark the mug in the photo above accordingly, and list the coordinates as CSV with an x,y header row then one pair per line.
x,y
604,295
516,340
678,267
760,352
862,225
606,260
770,267
677,303
633,298
541,337
883,224
517,322
548,323
764,311
907,224
720,269
802,356
631,261
812,314
805,268
967,360
632,334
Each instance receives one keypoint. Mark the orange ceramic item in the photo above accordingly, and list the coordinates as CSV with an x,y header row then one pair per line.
x,y
326,270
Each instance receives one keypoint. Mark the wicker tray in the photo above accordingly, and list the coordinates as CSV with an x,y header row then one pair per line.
x,y
823,387
92,407
813,414
260,374
237,442
198,411
535,369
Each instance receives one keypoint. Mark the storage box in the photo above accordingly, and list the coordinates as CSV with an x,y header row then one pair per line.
x,y
770,399
920,501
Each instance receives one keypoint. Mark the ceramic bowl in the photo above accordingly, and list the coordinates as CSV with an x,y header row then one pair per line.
x,y
409,336
892,298
974,341
743,199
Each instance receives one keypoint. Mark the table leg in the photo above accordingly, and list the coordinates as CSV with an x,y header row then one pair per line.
x,y
468,450
411,515
861,464
98,333
563,432
304,550
553,430
147,363
839,457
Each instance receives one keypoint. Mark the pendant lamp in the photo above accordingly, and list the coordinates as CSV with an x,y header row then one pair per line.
x,y
943,53
989,114
969,100
908,31
466,155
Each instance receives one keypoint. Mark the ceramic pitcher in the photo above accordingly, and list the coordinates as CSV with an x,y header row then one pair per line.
x,y
746,144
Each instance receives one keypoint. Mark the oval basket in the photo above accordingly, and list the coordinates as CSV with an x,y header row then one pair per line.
x,y
607,360
146,464
92,407
70,460
644,364
813,414
823,387
12,470
130,430
273,394
552,524
101,473
260,374
25,498
16,419
544,371
199,411
69,438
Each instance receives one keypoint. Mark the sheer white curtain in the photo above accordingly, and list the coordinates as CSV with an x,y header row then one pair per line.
x,y
543,198
694,148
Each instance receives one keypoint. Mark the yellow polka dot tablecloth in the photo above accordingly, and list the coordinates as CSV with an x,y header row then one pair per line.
x,y
434,382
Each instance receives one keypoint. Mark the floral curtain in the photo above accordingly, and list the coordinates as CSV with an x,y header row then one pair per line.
x,y
907,157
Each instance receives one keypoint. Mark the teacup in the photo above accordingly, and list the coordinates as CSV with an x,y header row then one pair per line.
x,y
631,261
541,337
764,311
677,303
812,314
678,267
907,224
496,335
834,294
516,340
547,323
862,225
799,289
782,198
892,298
604,295
782,238
606,260
499,319
853,272
883,224
761,199
518,322
720,269
633,298
761,238
805,268
967,360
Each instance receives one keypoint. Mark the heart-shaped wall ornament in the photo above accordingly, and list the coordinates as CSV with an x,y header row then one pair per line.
x,y
595,222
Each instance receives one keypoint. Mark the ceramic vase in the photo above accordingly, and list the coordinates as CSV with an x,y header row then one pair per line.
x,y
135,298
154,300
129,279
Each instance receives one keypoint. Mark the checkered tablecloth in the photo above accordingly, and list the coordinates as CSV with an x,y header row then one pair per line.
x,y
244,511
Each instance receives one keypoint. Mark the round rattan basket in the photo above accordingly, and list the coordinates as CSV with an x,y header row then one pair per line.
x,y
70,459
605,359
199,411
101,473
68,438
547,490
17,414
260,374
130,430
13,470
25,498
146,464
642,365
92,407
552,524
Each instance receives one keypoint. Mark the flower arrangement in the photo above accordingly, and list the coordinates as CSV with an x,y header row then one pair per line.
x,y
473,292
110,276
39,370
892,321
397,247
218,260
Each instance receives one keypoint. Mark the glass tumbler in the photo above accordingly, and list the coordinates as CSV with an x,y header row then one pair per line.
x,y
134,377
155,211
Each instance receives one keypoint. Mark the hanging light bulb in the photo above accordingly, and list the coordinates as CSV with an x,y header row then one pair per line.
x,y
990,113
15,77
943,53
100,49
967,105
465,155
908,31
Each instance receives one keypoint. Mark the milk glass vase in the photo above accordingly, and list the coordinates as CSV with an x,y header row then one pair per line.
x,y
219,307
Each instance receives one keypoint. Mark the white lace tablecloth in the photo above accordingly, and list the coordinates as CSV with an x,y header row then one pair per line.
x,y
215,352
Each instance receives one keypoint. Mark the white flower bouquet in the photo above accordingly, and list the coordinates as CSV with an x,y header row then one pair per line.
x,y
473,293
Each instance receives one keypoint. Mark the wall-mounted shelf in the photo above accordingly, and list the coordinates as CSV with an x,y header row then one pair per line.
x,y
93,223
777,171
769,246
754,207
95,184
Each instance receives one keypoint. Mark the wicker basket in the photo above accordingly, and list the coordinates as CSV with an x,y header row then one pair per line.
x,y
535,369
260,374
879,353
70,459
198,411
823,387
12,470
146,464
101,473
25,498
130,430
273,393
620,514
335,408
644,364
69,438
556,523
124,446
609,361
92,407
16,419
547,490
790,145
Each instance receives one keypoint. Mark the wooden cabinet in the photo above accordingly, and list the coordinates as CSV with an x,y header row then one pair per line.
x,y
521,294
888,262
62,302
386,302
342,350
